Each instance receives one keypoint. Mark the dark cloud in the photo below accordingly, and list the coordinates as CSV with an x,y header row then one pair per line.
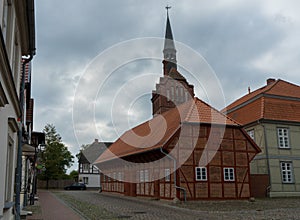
x,y
244,42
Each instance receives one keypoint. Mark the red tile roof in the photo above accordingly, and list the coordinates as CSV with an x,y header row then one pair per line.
x,y
276,101
154,133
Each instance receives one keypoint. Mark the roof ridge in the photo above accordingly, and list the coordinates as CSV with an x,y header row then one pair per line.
x,y
190,110
221,113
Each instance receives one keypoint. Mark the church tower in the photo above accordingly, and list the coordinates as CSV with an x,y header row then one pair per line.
x,y
172,89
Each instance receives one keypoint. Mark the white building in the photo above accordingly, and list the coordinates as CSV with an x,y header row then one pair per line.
x,y
16,40
88,173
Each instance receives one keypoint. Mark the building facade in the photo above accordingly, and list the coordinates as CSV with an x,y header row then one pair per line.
x,y
88,173
188,150
16,40
271,116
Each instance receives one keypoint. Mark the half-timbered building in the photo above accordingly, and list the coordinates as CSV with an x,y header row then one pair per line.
x,y
188,150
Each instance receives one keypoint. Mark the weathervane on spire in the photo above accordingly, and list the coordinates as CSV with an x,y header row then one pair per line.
x,y
168,7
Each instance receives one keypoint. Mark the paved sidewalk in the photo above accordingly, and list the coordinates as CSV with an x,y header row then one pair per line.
x,y
53,209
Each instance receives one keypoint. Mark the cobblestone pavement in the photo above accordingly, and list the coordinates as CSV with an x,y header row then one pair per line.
x,y
136,208
123,207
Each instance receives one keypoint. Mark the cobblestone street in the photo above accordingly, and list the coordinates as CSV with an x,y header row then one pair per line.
x,y
122,207
114,206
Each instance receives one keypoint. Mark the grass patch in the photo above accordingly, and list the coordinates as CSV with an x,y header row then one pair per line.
x,y
88,210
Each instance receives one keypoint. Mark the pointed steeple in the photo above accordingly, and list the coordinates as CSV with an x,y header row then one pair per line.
x,y
169,47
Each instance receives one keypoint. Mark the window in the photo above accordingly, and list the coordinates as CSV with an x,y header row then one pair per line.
x,y
181,94
120,176
168,95
9,170
142,176
167,175
172,93
186,96
86,180
114,176
146,172
85,167
201,173
286,172
228,174
283,137
251,133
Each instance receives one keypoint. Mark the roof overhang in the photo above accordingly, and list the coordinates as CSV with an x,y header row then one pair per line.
x,y
26,23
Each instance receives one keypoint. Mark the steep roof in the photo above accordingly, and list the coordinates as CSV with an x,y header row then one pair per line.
x,y
278,100
94,150
154,133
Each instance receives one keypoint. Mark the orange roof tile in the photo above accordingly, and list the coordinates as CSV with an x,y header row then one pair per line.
x,y
275,101
154,133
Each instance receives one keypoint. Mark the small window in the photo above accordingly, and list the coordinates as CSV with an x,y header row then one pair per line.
x,y
286,172
142,176
168,95
251,133
172,93
167,175
181,95
283,137
201,173
86,180
120,176
186,96
146,173
85,167
228,174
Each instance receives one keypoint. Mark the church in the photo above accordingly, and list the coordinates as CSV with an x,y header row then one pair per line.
x,y
187,151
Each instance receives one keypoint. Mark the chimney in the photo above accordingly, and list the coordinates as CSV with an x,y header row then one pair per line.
x,y
96,140
270,81
249,90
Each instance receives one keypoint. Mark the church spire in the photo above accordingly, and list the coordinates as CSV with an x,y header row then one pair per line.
x,y
169,47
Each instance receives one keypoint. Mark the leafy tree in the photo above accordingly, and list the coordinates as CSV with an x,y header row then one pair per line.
x,y
56,157
74,175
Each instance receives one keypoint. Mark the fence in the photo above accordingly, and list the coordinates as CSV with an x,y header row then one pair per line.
x,y
53,184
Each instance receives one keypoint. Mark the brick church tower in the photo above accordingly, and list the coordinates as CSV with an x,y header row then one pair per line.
x,y
172,89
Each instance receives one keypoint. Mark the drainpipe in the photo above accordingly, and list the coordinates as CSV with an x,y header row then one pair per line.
x,y
267,157
175,182
20,141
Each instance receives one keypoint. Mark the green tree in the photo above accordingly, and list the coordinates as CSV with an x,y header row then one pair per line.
x,y
74,175
56,157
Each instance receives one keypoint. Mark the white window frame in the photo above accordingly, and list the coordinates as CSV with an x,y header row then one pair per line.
x,y
142,176
286,169
85,167
283,138
251,134
167,175
229,174
120,176
201,173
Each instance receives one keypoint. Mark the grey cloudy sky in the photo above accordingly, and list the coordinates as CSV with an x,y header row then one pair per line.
x,y
244,42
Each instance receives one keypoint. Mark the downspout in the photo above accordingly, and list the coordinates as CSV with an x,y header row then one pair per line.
x,y
267,157
175,182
